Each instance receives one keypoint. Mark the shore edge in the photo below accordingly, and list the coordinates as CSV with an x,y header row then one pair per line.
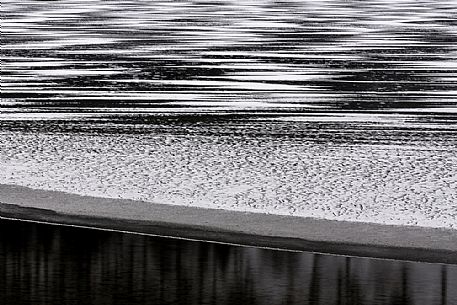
x,y
433,245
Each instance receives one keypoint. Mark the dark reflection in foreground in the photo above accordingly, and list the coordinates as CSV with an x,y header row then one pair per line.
x,y
44,264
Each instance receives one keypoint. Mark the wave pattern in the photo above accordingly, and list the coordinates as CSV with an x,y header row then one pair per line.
x,y
294,55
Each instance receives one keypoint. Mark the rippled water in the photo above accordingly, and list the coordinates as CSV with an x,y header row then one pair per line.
x,y
49,265
336,109
373,54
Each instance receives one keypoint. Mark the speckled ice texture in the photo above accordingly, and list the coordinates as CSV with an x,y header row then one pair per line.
x,y
389,184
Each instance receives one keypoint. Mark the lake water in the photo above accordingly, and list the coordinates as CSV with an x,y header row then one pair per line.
x,y
304,55
335,109
344,110
43,264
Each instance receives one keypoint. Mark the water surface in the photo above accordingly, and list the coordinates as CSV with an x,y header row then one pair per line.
x,y
43,264
304,55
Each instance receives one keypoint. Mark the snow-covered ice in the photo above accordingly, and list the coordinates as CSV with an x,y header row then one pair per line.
x,y
389,184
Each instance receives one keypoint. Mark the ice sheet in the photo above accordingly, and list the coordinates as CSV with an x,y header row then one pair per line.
x,y
389,184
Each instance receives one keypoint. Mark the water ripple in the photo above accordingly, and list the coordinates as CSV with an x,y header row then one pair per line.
x,y
376,54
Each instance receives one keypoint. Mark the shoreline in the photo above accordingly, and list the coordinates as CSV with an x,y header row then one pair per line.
x,y
433,245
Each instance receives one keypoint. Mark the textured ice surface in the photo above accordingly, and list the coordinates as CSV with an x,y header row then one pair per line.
x,y
391,184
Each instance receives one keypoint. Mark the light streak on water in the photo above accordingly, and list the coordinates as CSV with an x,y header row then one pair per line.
x,y
373,54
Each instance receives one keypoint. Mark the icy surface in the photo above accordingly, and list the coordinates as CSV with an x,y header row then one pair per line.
x,y
390,184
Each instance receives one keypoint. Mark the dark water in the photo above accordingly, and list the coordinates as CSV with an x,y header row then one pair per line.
x,y
42,264
356,55
379,71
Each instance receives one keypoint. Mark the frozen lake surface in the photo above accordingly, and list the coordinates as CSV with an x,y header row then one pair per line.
x,y
392,184
333,109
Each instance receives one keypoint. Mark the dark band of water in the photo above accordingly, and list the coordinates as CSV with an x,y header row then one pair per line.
x,y
45,264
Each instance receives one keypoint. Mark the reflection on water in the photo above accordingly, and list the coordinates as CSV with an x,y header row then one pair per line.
x,y
193,53
44,264
301,67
